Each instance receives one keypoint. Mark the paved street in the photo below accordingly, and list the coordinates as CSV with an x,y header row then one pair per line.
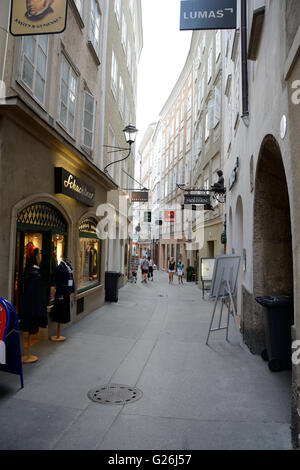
x,y
194,396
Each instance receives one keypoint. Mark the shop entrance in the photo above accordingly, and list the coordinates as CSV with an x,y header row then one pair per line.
x,y
272,240
42,236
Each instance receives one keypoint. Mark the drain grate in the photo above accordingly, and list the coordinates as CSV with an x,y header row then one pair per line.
x,y
114,394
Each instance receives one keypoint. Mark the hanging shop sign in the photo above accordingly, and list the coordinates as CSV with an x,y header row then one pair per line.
x,y
208,14
68,184
31,17
170,216
139,196
197,199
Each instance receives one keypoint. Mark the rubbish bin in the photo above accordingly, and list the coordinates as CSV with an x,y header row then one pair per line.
x,y
278,321
112,286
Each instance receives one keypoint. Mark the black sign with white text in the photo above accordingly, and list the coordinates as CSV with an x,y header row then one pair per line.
x,y
208,14
68,184
197,199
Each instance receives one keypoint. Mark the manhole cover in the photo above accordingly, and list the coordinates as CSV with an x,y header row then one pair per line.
x,y
115,394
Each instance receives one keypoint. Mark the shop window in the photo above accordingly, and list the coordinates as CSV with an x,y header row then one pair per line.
x,y
41,240
90,253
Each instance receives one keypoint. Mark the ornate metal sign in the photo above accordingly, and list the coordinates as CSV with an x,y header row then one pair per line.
x,y
197,199
139,196
31,17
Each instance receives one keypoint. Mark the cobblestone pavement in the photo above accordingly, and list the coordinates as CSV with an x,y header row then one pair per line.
x,y
194,396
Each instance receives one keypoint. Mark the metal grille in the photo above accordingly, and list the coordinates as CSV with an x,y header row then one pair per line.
x,y
42,215
115,394
88,226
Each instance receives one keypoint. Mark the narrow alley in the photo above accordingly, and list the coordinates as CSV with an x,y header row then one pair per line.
x,y
193,396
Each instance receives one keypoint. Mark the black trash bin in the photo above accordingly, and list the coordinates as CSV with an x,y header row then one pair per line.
x,y
278,322
112,286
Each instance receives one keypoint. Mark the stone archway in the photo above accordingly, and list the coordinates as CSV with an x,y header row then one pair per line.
x,y
272,237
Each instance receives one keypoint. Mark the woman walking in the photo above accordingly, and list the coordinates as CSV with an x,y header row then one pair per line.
x,y
150,272
180,266
171,268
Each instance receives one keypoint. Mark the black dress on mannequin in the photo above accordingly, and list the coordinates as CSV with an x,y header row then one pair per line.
x,y
33,312
64,282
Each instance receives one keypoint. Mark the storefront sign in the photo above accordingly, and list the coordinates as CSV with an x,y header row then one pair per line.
x,y
31,17
197,199
139,196
208,14
68,184
170,216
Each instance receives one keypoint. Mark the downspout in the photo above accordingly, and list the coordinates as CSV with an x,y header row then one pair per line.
x,y
245,86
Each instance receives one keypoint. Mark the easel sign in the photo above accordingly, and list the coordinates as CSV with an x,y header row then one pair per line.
x,y
224,282
207,269
226,270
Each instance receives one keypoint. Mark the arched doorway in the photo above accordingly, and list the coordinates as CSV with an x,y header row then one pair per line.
x,y
272,236
43,230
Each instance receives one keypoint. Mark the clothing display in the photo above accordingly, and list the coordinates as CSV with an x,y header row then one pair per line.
x,y
64,283
33,314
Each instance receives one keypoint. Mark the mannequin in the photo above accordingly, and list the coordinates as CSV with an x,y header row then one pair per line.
x,y
33,314
64,282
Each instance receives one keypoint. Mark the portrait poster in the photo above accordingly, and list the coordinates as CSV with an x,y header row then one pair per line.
x,y
32,17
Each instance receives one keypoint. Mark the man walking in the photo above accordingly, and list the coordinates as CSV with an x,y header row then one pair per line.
x,y
144,269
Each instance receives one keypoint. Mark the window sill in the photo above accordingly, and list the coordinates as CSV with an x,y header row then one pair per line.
x,y
89,289
61,125
30,94
94,53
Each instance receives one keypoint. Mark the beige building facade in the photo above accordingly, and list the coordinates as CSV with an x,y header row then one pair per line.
x,y
53,130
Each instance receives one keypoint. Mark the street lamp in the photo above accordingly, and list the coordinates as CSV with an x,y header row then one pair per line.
x,y
130,132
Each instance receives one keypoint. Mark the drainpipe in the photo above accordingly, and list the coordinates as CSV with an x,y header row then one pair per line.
x,y
245,115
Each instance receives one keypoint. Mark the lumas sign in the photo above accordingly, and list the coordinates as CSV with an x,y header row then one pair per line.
x,y
208,14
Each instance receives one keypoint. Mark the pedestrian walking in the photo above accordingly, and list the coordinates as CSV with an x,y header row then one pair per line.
x,y
134,266
180,266
150,272
171,267
144,269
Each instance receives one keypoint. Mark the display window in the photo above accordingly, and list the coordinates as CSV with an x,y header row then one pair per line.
x,y
89,255
41,241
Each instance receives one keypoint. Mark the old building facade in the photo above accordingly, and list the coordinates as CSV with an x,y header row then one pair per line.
x,y
261,138
53,131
